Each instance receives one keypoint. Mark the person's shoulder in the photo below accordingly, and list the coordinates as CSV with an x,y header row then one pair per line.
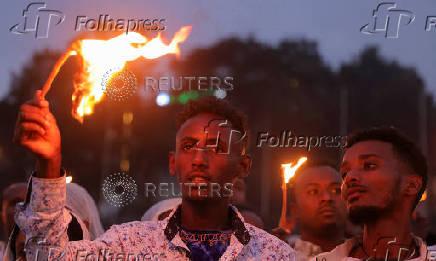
x,y
431,252
140,228
268,242
131,233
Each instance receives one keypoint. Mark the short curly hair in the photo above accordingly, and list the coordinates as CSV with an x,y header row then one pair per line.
x,y
403,147
316,162
213,105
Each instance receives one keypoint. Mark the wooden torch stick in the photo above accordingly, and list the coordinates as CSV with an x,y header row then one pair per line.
x,y
55,71
282,222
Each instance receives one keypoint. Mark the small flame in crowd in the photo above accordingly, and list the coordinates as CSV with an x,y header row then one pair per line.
x,y
69,179
289,170
424,196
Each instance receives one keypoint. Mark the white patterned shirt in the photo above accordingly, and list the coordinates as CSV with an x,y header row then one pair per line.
x,y
44,220
305,250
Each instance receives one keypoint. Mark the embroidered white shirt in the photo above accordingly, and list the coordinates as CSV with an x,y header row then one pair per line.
x,y
340,253
44,220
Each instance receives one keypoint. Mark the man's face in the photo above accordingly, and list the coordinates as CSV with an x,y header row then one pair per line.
x,y
238,192
318,198
200,159
371,179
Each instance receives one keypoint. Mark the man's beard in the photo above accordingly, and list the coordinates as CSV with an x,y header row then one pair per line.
x,y
365,214
325,230
360,215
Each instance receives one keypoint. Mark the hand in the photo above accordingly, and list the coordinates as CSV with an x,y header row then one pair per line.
x,y
286,225
280,233
37,131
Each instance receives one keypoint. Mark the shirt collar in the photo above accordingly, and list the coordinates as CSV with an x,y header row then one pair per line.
x,y
307,248
344,249
236,221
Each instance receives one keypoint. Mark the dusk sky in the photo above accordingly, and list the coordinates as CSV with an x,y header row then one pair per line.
x,y
334,24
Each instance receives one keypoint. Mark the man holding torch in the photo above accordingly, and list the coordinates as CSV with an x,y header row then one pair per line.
x,y
204,227
383,178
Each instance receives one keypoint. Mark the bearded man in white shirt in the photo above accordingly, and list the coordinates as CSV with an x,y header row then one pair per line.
x,y
383,178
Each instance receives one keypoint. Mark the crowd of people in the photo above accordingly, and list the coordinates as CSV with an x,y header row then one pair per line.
x,y
363,211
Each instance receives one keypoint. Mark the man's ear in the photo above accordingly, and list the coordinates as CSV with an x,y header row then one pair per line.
x,y
413,185
244,166
172,162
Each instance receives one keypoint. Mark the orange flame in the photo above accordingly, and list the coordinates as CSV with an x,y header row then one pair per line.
x,y
289,170
100,56
424,196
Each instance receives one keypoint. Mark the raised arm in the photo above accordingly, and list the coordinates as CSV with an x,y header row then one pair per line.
x,y
43,217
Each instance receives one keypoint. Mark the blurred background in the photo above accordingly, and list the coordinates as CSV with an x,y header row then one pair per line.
x,y
301,66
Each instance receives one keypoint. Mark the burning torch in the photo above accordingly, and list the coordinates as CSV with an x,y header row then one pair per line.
x,y
97,57
288,173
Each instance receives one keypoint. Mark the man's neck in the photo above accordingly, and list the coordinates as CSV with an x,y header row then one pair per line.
x,y
388,234
206,215
327,239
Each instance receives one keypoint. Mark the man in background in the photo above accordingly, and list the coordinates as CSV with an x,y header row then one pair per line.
x,y
11,195
318,208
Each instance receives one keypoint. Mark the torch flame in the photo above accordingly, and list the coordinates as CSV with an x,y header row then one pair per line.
x,y
101,56
424,196
289,170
